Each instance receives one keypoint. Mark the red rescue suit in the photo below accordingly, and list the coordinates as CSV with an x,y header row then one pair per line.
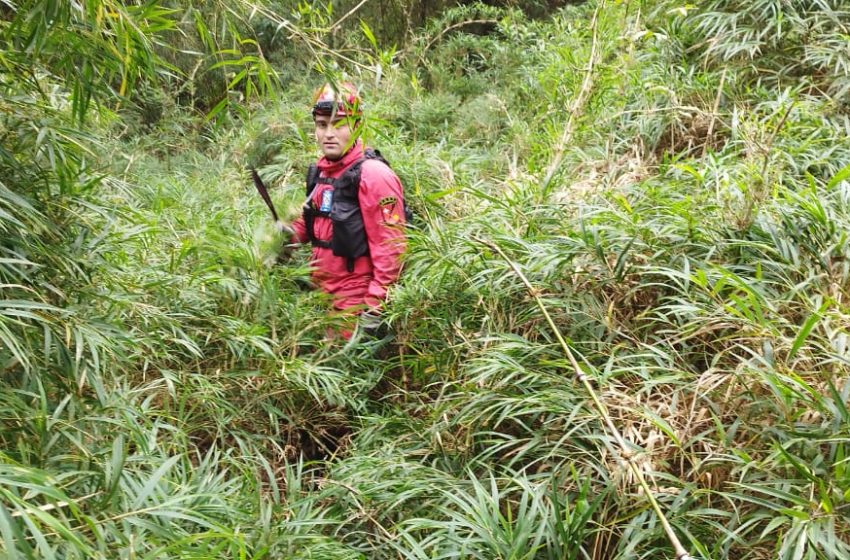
x,y
382,208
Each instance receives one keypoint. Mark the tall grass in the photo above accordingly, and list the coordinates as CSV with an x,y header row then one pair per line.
x,y
679,206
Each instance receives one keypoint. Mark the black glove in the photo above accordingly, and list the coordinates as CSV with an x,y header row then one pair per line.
x,y
371,323
286,248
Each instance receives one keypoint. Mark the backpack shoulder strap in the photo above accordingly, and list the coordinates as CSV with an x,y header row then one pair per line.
x,y
374,153
348,184
312,177
308,212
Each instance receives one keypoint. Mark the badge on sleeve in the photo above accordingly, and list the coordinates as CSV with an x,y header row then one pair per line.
x,y
327,201
389,209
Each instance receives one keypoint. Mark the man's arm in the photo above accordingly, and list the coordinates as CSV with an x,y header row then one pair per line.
x,y
382,207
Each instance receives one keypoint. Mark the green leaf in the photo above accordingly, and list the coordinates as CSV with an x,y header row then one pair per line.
x,y
795,513
662,425
9,533
367,31
149,487
843,174
807,328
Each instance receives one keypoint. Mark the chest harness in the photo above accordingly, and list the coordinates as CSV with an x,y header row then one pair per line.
x,y
349,234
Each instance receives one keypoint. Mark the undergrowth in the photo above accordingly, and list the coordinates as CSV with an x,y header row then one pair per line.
x,y
673,182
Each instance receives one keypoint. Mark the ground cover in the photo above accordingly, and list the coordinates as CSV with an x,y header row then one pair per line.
x,y
671,180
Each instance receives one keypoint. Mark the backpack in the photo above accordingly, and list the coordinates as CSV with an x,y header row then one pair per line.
x,y
349,233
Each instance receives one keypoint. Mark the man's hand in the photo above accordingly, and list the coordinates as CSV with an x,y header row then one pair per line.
x,y
283,228
285,252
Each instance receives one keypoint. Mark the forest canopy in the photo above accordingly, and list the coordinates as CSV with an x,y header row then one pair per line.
x,y
621,331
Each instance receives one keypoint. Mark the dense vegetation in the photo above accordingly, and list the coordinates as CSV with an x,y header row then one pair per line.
x,y
667,185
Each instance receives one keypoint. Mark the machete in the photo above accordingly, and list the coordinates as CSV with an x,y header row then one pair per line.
x,y
264,192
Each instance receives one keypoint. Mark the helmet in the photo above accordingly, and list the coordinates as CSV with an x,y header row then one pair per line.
x,y
344,98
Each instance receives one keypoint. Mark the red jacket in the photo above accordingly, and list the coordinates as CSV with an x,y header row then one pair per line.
x,y
382,207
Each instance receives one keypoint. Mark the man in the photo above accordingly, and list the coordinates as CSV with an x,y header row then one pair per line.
x,y
354,213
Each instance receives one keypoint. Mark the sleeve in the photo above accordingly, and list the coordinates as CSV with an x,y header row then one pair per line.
x,y
300,231
382,207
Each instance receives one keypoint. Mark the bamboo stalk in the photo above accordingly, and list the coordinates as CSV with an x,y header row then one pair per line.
x,y
625,451
579,102
315,45
346,16
458,25
714,111
55,505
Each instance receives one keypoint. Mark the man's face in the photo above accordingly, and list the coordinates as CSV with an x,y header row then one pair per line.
x,y
333,136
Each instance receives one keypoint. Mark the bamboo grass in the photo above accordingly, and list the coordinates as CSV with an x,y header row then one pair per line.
x,y
168,392
625,451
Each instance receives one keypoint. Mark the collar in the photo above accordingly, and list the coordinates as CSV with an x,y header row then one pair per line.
x,y
333,167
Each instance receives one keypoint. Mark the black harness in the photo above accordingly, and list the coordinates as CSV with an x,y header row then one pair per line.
x,y
349,233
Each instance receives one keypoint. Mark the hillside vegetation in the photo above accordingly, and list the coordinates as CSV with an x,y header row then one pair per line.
x,y
631,230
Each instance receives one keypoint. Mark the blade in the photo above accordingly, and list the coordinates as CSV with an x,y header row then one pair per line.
x,y
264,192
